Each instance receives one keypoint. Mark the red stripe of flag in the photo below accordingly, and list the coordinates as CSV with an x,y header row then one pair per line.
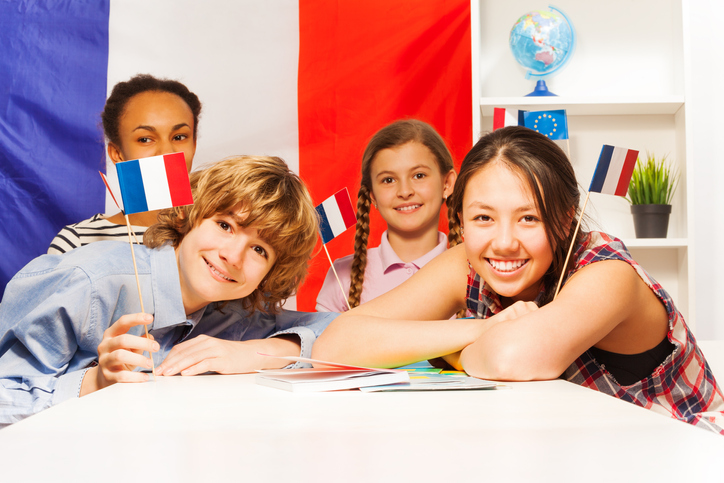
x,y
498,118
503,117
108,187
345,207
382,59
626,172
178,179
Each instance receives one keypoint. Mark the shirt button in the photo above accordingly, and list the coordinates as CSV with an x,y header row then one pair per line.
x,y
409,270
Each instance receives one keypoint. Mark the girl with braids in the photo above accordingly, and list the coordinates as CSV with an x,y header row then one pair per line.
x,y
611,327
144,116
407,173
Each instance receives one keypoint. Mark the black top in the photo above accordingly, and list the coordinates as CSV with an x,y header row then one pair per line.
x,y
628,369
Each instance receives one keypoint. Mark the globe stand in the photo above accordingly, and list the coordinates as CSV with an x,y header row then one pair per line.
x,y
541,89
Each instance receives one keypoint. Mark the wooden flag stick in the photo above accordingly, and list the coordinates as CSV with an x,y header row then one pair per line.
x,y
138,284
337,277
570,249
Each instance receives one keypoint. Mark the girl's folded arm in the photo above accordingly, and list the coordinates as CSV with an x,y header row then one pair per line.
x,y
599,301
408,324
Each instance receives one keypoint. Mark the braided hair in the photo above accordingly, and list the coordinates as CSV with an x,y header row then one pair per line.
x,y
396,134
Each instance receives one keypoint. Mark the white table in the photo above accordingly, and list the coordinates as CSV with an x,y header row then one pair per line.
x,y
215,428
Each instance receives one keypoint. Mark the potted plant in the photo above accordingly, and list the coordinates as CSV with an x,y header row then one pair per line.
x,y
650,191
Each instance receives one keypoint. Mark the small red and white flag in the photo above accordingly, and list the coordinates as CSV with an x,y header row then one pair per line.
x,y
154,183
504,118
613,171
336,214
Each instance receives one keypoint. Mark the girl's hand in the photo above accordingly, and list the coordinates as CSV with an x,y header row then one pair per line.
x,y
208,354
515,311
119,353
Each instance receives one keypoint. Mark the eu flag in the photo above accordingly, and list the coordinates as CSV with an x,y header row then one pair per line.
x,y
553,124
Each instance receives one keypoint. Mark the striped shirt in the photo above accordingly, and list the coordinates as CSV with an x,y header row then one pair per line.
x,y
682,387
97,228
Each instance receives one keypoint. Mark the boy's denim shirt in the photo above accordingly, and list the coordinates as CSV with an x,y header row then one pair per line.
x,y
55,310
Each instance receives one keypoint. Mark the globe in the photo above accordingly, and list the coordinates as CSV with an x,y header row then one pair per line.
x,y
542,41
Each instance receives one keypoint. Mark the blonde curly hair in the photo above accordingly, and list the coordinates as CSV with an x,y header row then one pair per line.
x,y
276,202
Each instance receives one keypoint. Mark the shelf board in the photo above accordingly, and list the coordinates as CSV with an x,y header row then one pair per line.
x,y
656,242
588,106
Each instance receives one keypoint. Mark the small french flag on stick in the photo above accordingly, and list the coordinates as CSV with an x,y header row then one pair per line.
x,y
503,118
613,171
612,177
154,183
336,214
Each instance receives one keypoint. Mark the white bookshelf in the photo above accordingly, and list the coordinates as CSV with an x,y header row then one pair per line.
x,y
623,86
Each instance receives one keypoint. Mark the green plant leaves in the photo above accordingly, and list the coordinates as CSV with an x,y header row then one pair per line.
x,y
653,182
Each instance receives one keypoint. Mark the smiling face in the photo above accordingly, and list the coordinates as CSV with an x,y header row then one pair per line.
x,y
221,260
505,239
408,188
155,123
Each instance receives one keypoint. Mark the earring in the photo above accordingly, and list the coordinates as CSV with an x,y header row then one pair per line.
x,y
375,205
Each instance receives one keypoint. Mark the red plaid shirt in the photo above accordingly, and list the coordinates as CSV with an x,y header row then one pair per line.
x,y
682,387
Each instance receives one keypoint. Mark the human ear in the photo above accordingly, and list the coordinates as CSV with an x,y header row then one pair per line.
x,y
373,199
114,152
449,183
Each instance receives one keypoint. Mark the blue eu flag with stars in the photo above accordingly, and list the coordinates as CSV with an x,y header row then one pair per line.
x,y
552,124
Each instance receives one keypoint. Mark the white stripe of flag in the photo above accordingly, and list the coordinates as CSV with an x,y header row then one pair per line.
x,y
614,170
334,216
158,194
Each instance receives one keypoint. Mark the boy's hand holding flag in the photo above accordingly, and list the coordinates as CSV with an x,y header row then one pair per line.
x,y
148,184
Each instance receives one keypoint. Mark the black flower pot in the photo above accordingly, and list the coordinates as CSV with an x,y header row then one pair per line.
x,y
651,221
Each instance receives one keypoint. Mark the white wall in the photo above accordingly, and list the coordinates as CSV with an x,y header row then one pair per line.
x,y
704,82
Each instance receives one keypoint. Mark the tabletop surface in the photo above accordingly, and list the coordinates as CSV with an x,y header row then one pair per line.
x,y
216,428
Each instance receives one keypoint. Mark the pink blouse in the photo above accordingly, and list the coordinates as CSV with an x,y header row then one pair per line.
x,y
384,272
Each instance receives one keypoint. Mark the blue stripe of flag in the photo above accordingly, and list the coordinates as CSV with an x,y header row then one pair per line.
x,y
132,191
324,227
521,117
53,71
599,176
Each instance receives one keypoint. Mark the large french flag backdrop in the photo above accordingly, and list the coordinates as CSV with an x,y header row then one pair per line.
x,y
307,80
